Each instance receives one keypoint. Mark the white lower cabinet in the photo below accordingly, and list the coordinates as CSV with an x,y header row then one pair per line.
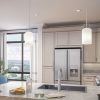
x,y
88,83
48,75
88,80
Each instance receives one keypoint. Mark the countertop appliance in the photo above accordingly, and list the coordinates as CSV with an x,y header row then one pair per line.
x,y
69,61
98,81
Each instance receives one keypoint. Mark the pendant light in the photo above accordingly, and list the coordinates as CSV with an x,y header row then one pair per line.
x,y
86,34
28,37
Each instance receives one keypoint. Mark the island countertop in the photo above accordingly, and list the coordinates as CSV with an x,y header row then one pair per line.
x,y
90,94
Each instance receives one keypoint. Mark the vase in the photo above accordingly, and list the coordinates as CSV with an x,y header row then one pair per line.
x,y
3,79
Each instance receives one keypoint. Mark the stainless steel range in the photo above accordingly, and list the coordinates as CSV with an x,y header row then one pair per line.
x,y
69,61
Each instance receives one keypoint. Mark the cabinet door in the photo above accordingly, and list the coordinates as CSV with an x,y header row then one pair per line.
x,y
98,46
48,49
89,51
88,83
61,63
61,38
88,80
75,38
74,64
48,75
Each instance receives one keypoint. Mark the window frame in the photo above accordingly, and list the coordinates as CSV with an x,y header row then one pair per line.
x,y
22,56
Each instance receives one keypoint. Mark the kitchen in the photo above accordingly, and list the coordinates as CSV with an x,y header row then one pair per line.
x,y
55,46
70,37
64,68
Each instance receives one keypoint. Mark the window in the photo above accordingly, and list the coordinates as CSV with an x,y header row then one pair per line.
x,y
18,57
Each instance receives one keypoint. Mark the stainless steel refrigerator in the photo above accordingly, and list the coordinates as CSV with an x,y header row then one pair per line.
x,y
69,61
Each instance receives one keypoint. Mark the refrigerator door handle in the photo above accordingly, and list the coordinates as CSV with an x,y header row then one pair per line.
x,y
61,73
67,63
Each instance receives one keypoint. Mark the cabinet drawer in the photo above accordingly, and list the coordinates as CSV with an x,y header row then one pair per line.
x,y
89,83
89,79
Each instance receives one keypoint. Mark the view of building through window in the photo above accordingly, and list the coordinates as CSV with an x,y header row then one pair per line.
x,y
18,57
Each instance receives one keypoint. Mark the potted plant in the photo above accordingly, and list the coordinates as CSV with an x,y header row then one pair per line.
x,y
3,77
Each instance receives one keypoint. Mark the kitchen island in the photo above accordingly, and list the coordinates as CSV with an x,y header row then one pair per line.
x,y
90,94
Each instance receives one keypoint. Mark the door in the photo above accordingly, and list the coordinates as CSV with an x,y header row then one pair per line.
x,y
61,62
74,64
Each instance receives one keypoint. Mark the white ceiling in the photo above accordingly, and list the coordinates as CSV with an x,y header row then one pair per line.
x,y
14,13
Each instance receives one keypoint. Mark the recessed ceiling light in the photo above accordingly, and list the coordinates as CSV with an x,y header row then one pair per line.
x,y
35,15
78,10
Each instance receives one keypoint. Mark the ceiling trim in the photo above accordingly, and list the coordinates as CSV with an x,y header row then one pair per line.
x,y
71,24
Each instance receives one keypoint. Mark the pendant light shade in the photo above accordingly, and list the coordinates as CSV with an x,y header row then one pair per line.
x,y
87,36
28,37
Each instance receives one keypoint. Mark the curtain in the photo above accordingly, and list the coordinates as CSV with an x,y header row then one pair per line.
x,y
2,49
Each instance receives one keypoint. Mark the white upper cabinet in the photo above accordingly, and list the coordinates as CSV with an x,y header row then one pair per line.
x,y
89,51
68,38
61,38
98,46
48,49
75,38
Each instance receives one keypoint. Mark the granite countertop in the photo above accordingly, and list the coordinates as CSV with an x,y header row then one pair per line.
x,y
91,93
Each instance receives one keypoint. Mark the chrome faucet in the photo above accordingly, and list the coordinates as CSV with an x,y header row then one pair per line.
x,y
59,78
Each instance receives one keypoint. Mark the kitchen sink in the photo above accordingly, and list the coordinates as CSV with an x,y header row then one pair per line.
x,y
45,86
64,87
